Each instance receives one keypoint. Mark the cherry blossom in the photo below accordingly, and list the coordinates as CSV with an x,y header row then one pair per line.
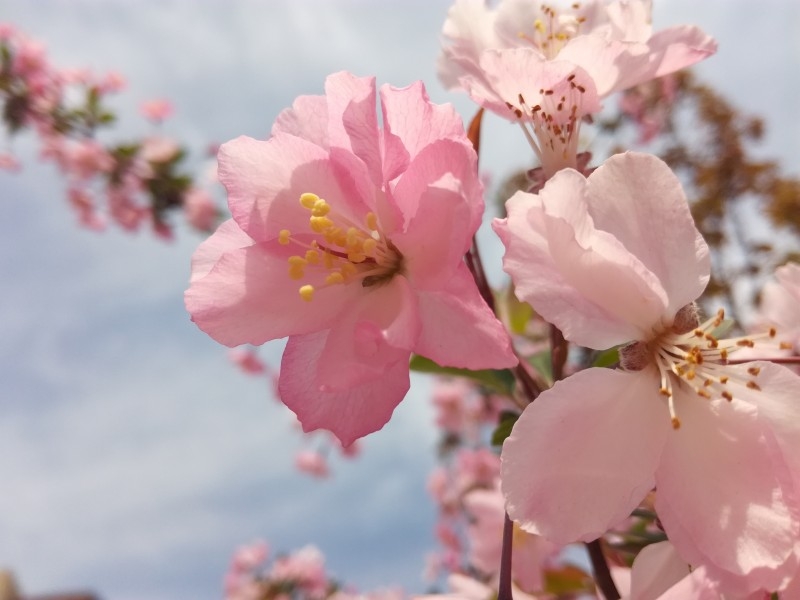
x,y
547,68
616,258
350,239
612,41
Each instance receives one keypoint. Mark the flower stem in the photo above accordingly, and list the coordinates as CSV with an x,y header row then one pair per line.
x,y
526,381
559,348
602,574
504,587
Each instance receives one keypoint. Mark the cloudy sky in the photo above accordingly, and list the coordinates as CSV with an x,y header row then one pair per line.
x,y
133,457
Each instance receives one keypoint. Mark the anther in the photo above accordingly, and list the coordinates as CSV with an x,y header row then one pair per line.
x,y
283,237
307,292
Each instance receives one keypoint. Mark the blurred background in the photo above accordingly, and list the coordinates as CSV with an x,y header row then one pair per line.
x,y
134,457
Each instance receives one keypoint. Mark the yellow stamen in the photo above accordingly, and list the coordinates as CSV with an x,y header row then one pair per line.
x,y
307,292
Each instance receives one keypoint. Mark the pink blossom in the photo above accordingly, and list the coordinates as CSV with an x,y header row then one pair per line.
x,y
306,568
350,239
112,82
613,258
200,210
486,508
250,557
547,68
247,360
9,162
312,463
156,110
612,41
159,149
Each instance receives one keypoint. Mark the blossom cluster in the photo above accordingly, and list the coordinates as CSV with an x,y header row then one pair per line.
x,y
349,238
139,182
592,402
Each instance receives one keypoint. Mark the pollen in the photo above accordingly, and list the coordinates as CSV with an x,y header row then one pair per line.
x,y
343,249
307,292
685,360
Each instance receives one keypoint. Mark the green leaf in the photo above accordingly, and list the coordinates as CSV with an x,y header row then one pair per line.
x,y
498,380
504,427
543,364
519,313
567,580
606,358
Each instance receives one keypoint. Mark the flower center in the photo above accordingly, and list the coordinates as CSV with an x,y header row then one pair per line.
x,y
552,126
551,31
689,354
345,251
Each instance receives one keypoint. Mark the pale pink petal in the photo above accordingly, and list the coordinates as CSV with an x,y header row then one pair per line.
x,y
606,61
265,180
576,276
348,414
582,455
379,329
411,122
617,65
655,570
673,49
777,405
227,237
697,586
249,298
469,29
639,200
720,494
440,229
353,121
459,329
307,119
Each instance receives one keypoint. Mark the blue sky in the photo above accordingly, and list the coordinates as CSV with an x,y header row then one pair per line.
x,y
133,456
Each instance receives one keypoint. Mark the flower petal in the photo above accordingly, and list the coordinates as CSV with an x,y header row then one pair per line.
x,y
353,120
378,330
249,298
582,455
227,237
306,119
411,122
721,494
576,276
655,570
639,200
265,180
348,414
459,329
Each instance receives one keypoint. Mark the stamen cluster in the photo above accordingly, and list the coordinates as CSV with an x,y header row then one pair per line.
x,y
346,250
693,356
552,32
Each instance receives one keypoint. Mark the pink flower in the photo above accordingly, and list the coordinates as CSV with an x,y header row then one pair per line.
x,y
485,533
547,69
159,149
305,568
200,210
612,41
350,240
613,258
247,360
156,110
312,463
